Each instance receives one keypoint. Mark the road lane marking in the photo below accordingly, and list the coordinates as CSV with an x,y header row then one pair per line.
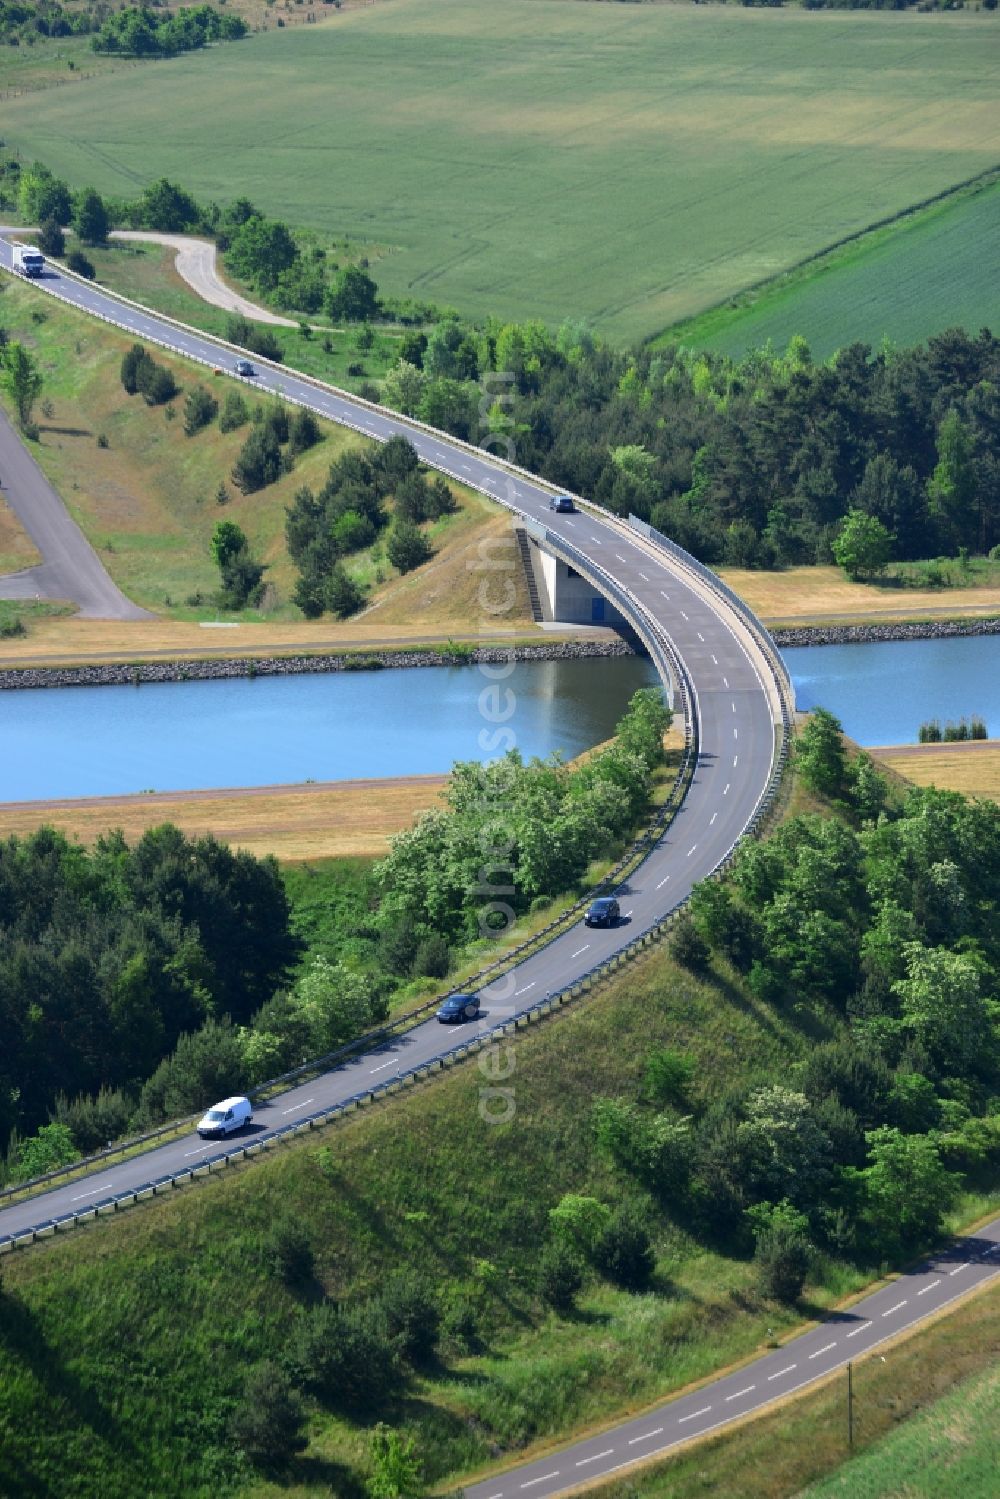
x,y
712,818
780,1372
93,1192
734,707
725,681
620,557
663,882
665,596
740,1393
683,615
580,950
820,1351
700,636
691,849
736,733
626,913
894,1308
736,761
864,1326
646,1436
544,1479
643,577
526,988
296,1106
715,661
383,1066
933,1285
596,1457
200,1151
596,540
694,1415
959,1267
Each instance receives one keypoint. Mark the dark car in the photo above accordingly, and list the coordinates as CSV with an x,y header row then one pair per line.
x,y
244,367
562,504
459,1007
602,912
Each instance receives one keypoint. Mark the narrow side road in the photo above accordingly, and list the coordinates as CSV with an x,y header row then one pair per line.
x,y
71,570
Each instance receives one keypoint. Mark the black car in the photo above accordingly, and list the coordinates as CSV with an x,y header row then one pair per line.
x,y
603,912
459,1007
562,504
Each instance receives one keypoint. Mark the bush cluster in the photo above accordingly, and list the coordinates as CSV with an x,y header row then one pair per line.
x,y
140,374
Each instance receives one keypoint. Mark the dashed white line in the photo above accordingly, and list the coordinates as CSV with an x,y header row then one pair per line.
x,y
700,636
663,882
580,950
691,849
958,1268
736,761
740,1393
643,577
820,1351
383,1066
596,1457
544,1479
894,1308
933,1285
780,1372
664,595
103,1187
646,1436
715,661
620,557
694,1415
736,733
683,615
296,1106
726,792
863,1328
725,681
526,988
596,540
712,818
733,706
626,913
200,1151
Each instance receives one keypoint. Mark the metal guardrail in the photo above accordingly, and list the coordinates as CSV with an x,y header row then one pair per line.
x,y
663,652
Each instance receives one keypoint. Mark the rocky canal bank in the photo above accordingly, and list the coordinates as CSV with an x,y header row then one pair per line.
x,y
137,672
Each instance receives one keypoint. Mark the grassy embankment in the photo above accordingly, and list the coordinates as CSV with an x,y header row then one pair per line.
x,y
903,282
915,1433
181,1286
555,105
148,502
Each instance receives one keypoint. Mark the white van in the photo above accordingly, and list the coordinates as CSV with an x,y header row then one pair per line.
x,y
225,1117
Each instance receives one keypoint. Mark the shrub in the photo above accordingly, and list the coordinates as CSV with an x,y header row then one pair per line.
x,y
407,547
624,1252
346,1355
78,262
288,1253
412,1315
234,412
342,595
258,462
95,1121
304,431
668,1076
200,408
51,239
783,1250
266,1425
559,1276
688,946
433,957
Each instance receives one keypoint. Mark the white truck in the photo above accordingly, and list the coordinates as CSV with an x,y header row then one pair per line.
x,y
28,261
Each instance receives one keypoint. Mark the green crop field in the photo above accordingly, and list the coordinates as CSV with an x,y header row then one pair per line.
x,y
633,165
912,280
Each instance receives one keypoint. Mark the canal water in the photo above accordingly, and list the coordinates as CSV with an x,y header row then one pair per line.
x,y
177,736
883,692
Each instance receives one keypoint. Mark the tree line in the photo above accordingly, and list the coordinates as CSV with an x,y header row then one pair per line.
x,y
134,31
139,983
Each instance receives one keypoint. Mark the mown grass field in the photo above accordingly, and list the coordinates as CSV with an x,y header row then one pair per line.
x,y
810,595
904,284
632,165
972,768
148,502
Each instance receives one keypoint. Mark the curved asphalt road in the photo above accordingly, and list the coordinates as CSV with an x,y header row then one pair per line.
x,y
736,723
70,568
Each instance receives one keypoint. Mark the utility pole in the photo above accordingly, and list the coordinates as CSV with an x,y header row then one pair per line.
x,y
850,1405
